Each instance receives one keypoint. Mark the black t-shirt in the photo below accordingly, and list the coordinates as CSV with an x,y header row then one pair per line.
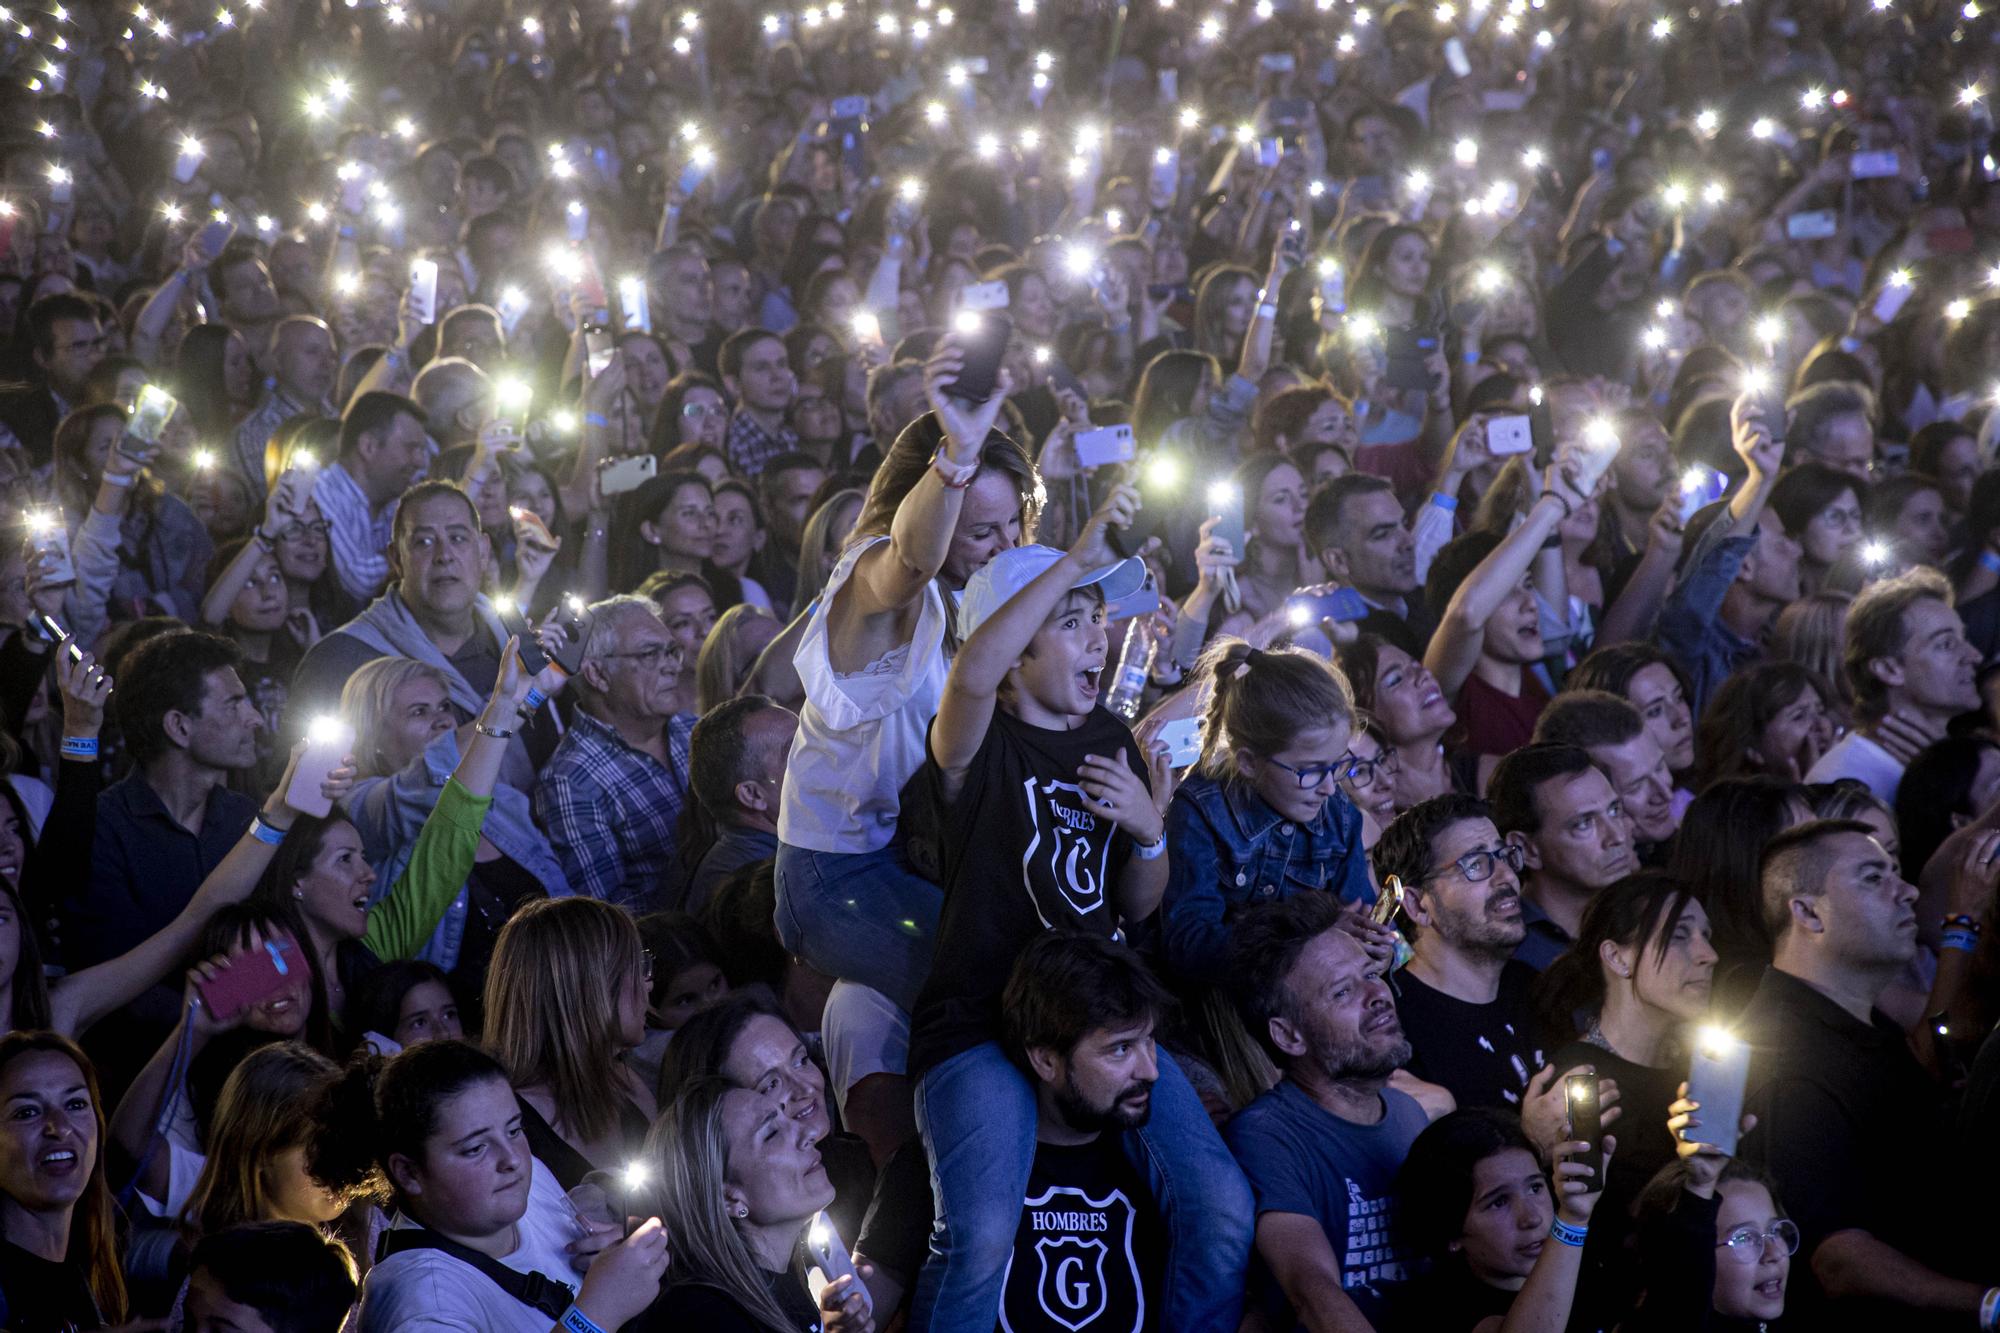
x,y
1448,1300
687,1306
1090,1248
1484,1054
495,890
37,1296
896,1233
1024,852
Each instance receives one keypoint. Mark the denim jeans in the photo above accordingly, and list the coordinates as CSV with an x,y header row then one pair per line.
x,y
977,1115
864,917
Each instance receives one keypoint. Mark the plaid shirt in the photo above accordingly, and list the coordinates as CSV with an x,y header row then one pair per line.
x,y
750,446
256,431
611,812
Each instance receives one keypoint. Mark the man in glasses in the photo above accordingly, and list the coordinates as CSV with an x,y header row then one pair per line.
x,y
1463,998
612,792
67,342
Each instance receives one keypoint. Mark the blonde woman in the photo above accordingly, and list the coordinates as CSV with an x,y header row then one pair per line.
x,y
255,1168
565,1003
728,653
740,1183
821,542
407,741
1810,632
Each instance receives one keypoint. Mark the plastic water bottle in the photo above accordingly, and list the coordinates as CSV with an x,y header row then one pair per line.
x,y
1135,665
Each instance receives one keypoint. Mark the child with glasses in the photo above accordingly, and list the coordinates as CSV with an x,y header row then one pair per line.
x,y
1715,1245
1265,816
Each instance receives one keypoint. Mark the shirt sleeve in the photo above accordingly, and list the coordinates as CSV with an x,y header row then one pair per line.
x,y
1435,524
399,925
94,556
581,832
1197,940
1690,610
1277,1171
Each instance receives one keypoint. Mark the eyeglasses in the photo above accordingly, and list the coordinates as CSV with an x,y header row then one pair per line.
x,y
1362,772
702,410
650,656
1312,774
291,532
1746,1243
1477,865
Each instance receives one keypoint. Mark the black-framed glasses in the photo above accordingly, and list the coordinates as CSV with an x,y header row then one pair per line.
x,y
1312,774
1746,1243
703,410
1477,866
650,656
291,532
1362,772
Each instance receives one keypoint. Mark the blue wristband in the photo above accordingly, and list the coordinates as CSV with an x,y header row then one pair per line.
x,y
533,700
1448,503
596,419
79,747
576,1321
1567,1234
1961,939
1989,562
267,833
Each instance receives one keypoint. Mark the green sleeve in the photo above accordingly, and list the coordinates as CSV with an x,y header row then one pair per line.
x,y
399,925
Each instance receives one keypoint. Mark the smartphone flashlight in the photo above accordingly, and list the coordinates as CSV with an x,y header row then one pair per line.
x,y
323,730
1222,493
1162,473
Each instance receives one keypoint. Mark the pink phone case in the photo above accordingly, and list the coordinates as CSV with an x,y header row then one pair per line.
x,y
251,979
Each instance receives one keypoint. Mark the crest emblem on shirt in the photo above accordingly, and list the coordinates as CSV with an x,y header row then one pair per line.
x,y
1070,847
1088,1276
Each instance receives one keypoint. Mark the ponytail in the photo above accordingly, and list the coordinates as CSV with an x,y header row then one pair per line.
x,y
381,1108
1259,699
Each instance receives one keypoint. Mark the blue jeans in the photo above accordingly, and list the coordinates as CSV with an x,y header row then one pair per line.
x,y
863,916
977,1115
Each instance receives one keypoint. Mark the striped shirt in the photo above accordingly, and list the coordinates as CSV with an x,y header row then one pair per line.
x,y
256,430
611,812
359,536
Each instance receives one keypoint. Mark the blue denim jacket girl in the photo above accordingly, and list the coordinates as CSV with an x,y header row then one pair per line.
x,y
1231,850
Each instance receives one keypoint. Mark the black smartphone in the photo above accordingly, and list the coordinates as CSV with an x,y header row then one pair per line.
x,y
1409,352
983,336
1771,402
574,625
1580,1093
1542,429
1062,377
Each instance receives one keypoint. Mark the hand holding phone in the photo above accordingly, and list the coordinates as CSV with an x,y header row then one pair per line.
x,y
1580,1096
1182,737
1718,1072
249,978
831,1261
329,741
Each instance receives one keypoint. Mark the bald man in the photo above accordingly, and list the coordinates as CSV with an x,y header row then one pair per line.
x,y
303,366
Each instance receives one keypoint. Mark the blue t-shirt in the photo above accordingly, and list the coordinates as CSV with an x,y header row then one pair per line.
x,y
1301,1158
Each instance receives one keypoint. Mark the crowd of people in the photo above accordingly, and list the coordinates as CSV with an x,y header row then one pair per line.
x,y
1163,666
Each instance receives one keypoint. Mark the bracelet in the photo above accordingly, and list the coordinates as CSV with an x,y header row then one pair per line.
x,y
1989,1309
264,831
345,231
596,419
1150,851
115,479
1553,494
576,1321
495,732
1567,1234
1448,503
1989,562
79,747
261,537
533,700
1470,358
1965,940
955,476
1553,542
1960,921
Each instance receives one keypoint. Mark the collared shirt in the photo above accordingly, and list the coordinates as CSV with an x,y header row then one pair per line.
x,y
1545,941
256,431
750,446
611,812
360,536
144,867
1841,1106
735,847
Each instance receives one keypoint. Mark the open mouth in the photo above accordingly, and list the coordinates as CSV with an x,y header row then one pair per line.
x,y
1087,681
1504,904
1383,1022
1774,1289
59,1160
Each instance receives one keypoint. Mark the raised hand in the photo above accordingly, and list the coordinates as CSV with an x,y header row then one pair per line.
x,y
84,688
966,425
1122,795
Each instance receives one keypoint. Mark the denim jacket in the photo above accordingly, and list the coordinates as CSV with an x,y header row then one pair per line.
x,y
1690,628
1231,850
389,812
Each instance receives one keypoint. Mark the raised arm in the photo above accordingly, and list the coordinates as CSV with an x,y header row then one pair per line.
x,y
1763,456
890,577
1455,648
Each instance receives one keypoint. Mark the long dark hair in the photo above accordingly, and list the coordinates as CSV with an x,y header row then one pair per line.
x,y
701,1045
1716,856
30,986
381,1108
93,1223
1434,1186
1936,787
1637,911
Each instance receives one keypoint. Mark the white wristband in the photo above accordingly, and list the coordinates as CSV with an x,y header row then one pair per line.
x,y
1150,851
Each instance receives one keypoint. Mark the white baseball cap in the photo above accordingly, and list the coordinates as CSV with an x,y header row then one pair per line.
x,y
1010,571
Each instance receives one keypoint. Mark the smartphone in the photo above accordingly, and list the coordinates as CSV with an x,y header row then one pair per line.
x,y
1182,737
1503,99
576,218
1104,445
1700,488
691,173
830,1257
424,290
1277,62
513,307
1816,225
214,236
48,544
1771,406
847,128
1893,297
249,978
1169,291
1511,434
188,163
598,349
616,476
984,296
354,188
1580,1094
572,621
633,304
1293,243
1225,502
1873,166
52,629
1388,902
150,416
1062,377
62,186
1542,427
1455,58
1166,180
1341,605
1409,352
1269,151
528,527
1718,1071
328,743
983,337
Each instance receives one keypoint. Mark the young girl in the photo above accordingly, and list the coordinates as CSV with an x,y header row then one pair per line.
x,y
1264,818
1716,1249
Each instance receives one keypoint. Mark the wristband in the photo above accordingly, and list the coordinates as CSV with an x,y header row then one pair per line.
x,y
1553,542
261,537
1567,1234
955,476
1267,311
576,1321
596,419
264,831
116,479
533,700
1989,1309
1960,939
1470,358
495,732
345,231
79,747
1150,851
1989,562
